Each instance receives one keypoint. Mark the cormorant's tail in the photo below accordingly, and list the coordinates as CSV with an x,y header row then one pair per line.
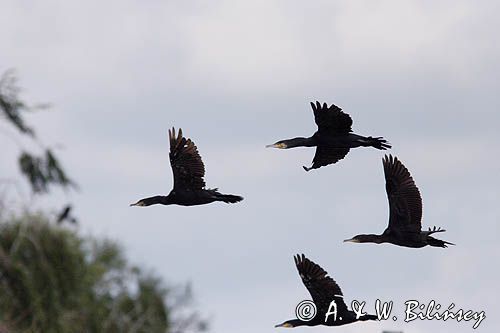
x,y
437,242
227,198
378,142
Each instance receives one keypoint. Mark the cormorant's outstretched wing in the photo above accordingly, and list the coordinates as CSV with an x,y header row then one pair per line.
x,y
331,119
327,155
405,203
186,162
323,288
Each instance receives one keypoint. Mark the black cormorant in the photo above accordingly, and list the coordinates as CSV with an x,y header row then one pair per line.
x,y
324,290
405,216
188,169
334,137
65,215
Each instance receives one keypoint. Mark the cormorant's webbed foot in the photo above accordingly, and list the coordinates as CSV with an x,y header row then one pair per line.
x,y
307,169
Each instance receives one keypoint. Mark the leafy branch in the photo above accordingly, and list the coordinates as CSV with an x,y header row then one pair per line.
x,y
41,170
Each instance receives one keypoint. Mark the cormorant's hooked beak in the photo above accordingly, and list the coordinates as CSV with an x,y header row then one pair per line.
x,y
352,240
278,145
287,325
138,203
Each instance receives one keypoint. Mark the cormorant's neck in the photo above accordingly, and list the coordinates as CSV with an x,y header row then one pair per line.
x,y
375,239
158,199
300,142
293,323
370,238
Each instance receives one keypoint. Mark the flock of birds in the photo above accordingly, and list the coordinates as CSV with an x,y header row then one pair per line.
x,y
333,140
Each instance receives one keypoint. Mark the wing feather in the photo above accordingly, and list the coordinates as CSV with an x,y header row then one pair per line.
x,y
331,119
187,166
327,155
405,202
323,288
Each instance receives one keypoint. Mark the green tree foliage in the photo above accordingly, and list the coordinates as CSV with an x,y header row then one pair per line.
x,y
40,170
52,280
10,104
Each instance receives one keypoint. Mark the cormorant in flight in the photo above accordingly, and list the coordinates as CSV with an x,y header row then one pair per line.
x,y
405,216
188,169
65,215
323,290
334,137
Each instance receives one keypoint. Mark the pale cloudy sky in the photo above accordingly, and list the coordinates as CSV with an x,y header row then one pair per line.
x,y
237,75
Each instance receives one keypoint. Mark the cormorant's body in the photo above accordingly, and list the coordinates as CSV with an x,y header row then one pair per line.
x,y
349,140
190,198
323,290
189,186
334,137
405,217
407,239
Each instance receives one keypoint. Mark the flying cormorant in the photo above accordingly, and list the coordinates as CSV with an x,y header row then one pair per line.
x,y
65,215
405,216
324,290
334,137
188,169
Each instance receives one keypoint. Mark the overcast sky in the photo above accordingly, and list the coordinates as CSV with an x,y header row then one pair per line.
x,y
237,75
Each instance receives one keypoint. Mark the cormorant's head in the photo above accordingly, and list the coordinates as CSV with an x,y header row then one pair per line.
x,y
139,203
280,145
365,239
291,323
